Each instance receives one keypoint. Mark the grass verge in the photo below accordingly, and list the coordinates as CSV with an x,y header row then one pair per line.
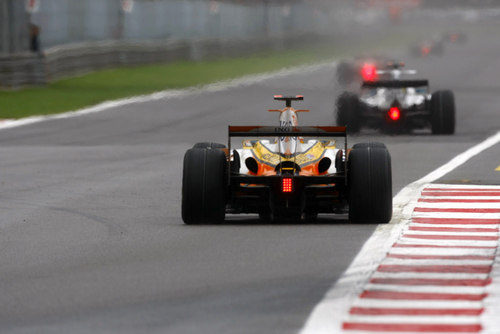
x,y
89,89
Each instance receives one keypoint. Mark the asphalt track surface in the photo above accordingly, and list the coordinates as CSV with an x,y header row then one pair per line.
x,y
91,238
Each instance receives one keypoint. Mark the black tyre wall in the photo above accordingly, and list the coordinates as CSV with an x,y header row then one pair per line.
x,y
204,186
370,184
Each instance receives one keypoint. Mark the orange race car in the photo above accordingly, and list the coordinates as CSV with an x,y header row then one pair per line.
x,y
290,173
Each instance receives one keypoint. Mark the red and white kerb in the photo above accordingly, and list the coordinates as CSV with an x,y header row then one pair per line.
x,y
436,276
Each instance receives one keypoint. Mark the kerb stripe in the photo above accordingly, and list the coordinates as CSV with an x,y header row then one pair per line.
x,y
423,328
415,311
395,268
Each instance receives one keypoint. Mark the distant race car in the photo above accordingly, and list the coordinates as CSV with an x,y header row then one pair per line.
x,y
455,37
430,47
397,105
287,176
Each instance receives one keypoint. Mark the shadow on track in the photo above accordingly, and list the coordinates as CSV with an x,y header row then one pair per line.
x,y
249,220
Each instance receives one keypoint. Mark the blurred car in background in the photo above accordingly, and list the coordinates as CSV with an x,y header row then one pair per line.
x,y
455,37
429,47
397,105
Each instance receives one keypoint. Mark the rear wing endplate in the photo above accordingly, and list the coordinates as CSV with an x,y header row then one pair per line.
x,y
395,83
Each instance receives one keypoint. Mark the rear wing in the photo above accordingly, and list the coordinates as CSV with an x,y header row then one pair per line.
x,y
395,83
288,99
297,131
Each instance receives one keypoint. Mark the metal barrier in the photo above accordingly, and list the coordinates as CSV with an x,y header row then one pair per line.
x,y
69,21
78,36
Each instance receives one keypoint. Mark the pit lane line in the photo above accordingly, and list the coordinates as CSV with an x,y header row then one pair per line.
x,y
332,314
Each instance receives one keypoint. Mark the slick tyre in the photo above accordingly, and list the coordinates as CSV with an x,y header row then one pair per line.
x,y
348,112
204,186
370,184
415,51
373,144
443,113
208,145
346,73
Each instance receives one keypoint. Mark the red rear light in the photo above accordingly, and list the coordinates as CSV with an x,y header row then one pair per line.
x,y
394,113
369,72
286,185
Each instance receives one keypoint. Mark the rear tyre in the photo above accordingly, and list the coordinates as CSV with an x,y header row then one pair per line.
x,y
438,49
348,112
415,51
265,216
443,112
204,186
373,144
208,145
340,162
346,73
310,217
370,184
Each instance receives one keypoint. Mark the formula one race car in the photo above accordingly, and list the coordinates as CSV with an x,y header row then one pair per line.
x,y
397,106
455,37
287,177
433,46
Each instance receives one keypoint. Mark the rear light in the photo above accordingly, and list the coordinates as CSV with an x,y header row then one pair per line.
x,y
286,185
369,72
394,113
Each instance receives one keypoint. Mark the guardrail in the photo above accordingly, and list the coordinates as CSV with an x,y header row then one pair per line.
x,y
23,69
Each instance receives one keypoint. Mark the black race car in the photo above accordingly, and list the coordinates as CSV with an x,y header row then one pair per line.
x,y
397,105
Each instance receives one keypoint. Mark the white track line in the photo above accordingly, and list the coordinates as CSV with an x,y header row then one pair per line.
x,y
471,215
413,224
379,274
459,205
472,198
328,315
437,262
444,251
445,242
413,232
416,319
170,94
415,304
425,288
467,187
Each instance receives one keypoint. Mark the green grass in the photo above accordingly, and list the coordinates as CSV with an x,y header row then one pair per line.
x,y
89,89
